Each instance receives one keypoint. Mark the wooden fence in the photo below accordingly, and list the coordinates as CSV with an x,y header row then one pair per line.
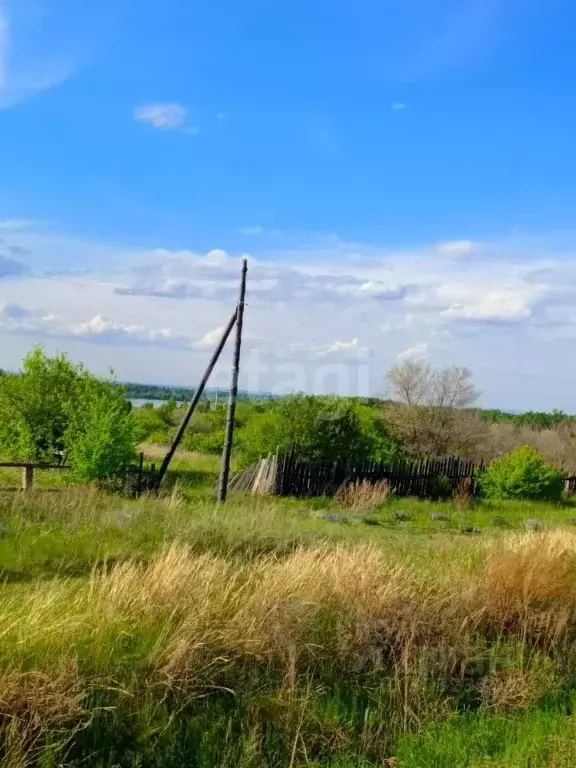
x,y
431,478
425,478
28,468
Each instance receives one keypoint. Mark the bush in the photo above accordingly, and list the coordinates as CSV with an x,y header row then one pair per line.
x,y
100,437
522,474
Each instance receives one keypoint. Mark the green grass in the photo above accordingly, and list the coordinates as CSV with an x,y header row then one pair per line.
x,y
541,738
176,632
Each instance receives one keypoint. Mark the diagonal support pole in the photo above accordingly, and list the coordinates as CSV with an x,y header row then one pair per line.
x,y
194,401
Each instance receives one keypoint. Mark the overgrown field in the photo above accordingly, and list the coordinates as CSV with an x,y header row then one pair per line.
x,y
170,632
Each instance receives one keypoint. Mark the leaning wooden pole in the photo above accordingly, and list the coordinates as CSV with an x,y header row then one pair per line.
x,y
194,401
233,396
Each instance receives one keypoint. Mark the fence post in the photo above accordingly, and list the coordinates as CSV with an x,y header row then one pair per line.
x,y
139,477
27,477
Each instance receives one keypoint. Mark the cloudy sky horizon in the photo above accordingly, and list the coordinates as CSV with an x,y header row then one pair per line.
x,y
400,176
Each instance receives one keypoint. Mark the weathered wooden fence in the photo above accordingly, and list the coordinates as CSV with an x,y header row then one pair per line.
x,y
426,477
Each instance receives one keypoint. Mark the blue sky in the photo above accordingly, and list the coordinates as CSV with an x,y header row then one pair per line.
x,y
401,174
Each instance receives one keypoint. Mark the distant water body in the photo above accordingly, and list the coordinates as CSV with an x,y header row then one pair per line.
x,y
138,402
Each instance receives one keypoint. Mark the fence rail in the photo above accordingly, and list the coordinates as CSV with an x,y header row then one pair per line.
x,y
28,468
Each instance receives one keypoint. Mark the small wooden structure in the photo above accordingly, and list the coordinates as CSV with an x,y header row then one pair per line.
x,y
28,468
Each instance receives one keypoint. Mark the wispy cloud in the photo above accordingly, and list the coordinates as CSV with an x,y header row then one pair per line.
x,y
167,116
11,268
334,351
20,82
11,225
222,116
3,47
398,106
458,248
210,339
253,230
414,353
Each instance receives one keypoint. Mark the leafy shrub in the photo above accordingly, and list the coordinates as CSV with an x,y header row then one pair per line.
x,y
100,437
205,442
522,474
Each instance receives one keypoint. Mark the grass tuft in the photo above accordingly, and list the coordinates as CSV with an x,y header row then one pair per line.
x,y
363,494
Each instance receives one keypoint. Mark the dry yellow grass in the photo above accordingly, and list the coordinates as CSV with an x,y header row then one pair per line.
x,y
530,583
195,623
263,606
463,495
363,494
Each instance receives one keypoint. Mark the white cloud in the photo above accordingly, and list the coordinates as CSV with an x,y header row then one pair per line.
x,y
222,116
210,339
100,329
414,353
40,323
398,106
215,275
164,115
21,80
489,303
335,350
377,289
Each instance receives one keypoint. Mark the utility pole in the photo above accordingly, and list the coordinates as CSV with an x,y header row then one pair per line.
x,y
229,434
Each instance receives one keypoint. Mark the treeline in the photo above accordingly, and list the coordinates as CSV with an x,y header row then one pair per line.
x,y
533,419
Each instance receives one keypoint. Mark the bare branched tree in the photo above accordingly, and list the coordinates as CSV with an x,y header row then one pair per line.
x,y
416,383
430,408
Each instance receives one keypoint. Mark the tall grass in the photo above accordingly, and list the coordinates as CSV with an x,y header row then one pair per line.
x,y
171,646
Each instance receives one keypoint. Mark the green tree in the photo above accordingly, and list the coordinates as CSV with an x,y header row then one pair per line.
x,y
36,404
522,474
317,428
54,406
